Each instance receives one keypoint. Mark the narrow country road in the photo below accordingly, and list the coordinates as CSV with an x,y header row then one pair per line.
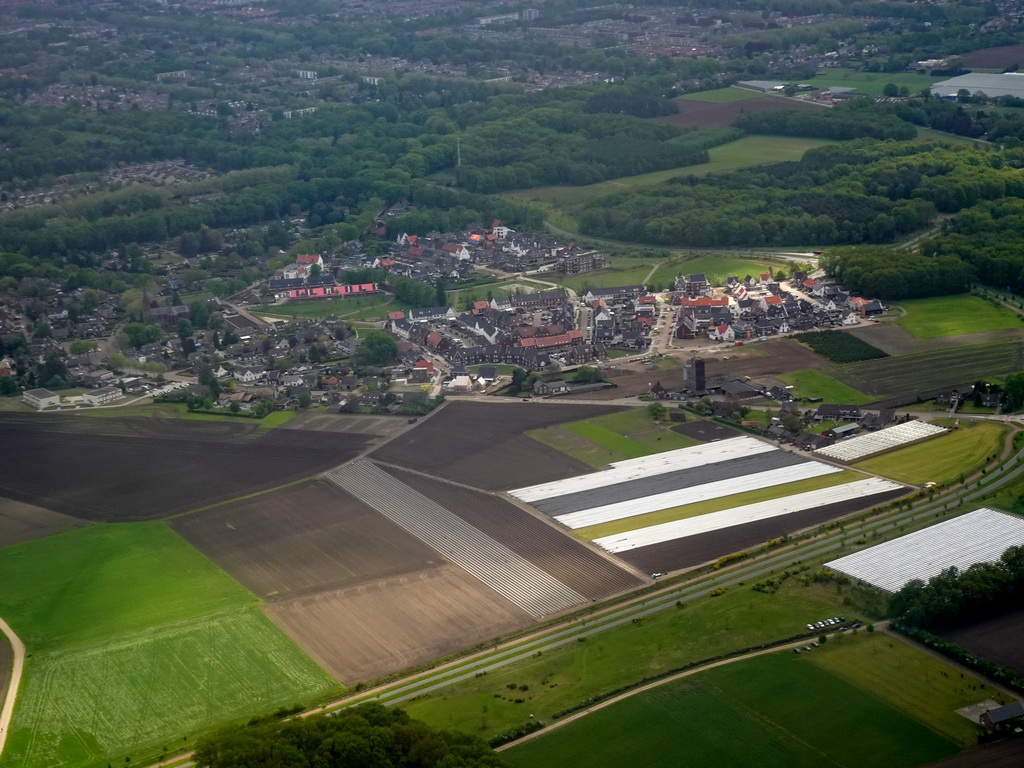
x,y
17,666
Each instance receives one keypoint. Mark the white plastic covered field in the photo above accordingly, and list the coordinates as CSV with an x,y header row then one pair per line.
x,y
647,466
977,537
883,440
715,490
748,513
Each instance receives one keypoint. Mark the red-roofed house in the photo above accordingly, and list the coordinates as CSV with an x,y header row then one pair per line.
x,y
702,307
723,332
310,258
456,250
480,306
771,301
332,291
648,298
397,315
435,339
765,277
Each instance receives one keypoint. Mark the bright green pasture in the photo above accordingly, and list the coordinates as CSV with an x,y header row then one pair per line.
x,y
814,383
924,686
955,315
615,437
107,580
717,268
356,306
143,693
565,676
871,82
723,95
624,270
717,505
775,710
941,459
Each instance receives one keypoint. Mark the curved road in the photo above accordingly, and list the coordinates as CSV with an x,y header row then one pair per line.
x,y
17,667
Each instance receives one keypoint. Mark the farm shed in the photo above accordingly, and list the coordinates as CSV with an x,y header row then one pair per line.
x,y
980,536
871,444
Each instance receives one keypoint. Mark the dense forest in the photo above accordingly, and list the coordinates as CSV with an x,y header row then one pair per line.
x,y
368,736
891,274
856,192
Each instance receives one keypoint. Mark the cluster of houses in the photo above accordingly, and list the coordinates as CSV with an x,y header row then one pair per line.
x,y
757,307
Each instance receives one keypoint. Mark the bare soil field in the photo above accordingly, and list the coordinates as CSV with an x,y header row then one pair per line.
x,y
356,423
483,445
570,561
23,522
705,547
703,114
114,469
302,539
1003,754
772,357
705,431
995,58
363,632
996,640
929,371
896,340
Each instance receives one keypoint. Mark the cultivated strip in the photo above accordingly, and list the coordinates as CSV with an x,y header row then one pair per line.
x,y
647,466
669,481
714,490
748,513
512,576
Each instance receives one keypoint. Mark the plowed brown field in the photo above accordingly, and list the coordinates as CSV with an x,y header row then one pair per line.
x,y
364,632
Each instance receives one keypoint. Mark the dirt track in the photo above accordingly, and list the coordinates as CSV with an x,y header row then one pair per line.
x,y
363,632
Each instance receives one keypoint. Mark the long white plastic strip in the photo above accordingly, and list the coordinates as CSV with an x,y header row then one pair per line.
x,y
646,466
715,490
980,536
884,439
748,513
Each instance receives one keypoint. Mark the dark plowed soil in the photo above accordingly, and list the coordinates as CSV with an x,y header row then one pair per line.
x,y
140,469
705,547
1000,640
303,539
702,114
547,547
482,444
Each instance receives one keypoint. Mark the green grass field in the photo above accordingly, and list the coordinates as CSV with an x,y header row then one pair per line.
x,y
567,675
716,505
941,459
722,96
565,202
357,307
814,383
872,82
136,641
775,710
717,268
623,271
615,437
147,692
926,687
955,315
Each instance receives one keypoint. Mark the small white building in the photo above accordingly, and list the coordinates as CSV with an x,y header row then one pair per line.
x,y
102,396
41,398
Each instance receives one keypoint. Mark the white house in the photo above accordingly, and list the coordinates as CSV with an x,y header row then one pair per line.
x,y
103,395
723,332
247,375
41,398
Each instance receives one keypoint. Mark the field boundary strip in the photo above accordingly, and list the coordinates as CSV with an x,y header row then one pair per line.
x,y
507,573
17,666
749,513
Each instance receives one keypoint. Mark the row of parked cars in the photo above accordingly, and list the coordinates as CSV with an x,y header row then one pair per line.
x,y
835,621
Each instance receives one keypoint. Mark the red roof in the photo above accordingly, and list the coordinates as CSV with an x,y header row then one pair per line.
x,y
387,263
645,320
481,304
412,239
772,299
648,299
434,338
424,363
399,315
723,329
704,301
575,334
766,277
415,250
527,342
452,248
554,341
308,258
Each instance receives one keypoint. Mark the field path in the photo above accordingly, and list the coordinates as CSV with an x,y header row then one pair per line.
x,y
655,684
17,666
